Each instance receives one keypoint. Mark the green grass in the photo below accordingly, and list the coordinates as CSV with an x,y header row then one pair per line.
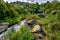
x,y
22,34
52,27
13,20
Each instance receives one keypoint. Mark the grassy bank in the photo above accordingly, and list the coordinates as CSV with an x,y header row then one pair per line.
x,y
13,20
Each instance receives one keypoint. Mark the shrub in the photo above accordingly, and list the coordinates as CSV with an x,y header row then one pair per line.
x,y
58,15
30,16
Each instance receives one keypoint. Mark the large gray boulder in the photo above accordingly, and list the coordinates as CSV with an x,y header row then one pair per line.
x,y
3,26
5,23
31,22
37,28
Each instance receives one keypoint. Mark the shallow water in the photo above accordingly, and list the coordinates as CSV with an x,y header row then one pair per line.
x,y
15,27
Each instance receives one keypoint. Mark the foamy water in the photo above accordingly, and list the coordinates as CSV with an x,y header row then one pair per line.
x,y
15,27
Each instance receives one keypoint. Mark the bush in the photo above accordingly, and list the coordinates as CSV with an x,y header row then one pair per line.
x,y
30,16
58,15
23,34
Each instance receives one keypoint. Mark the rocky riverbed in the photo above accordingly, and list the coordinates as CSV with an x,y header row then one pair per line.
x,y
34,28
37,30
9,30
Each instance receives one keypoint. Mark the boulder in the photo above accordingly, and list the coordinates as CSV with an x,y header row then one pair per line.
x,y
37,28
31,22
5,23
3,26
38,36
54,12
42,15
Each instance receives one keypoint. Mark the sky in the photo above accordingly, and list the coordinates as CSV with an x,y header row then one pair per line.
x,y
30,1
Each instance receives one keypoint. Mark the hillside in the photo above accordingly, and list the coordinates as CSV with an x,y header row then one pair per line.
x,y
45,15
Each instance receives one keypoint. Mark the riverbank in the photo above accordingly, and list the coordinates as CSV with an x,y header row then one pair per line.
x,y
15,27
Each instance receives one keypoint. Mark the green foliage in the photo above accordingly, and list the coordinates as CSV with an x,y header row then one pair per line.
x,y
7,11
14,12
53,32
58,15
2,11
49,6
33,8
31,16
15,19
19,8
22,34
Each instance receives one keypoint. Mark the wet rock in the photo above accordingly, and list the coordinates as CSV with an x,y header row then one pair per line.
x,y
5,23
15,27
3,26
37,28
42,15
54,12
38,36
39,33
31,22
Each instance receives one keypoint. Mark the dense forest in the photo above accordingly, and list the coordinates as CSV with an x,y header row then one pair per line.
x,y
15,11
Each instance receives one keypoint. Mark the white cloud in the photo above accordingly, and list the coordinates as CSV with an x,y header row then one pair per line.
x,y
59,0
39,1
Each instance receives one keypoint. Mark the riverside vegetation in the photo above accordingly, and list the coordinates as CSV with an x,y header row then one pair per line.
x,y
15,11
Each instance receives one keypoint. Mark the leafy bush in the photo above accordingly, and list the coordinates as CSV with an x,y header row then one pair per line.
x,y
15,19
58,15
22,34
30,16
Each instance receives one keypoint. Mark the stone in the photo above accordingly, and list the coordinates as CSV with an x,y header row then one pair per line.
x,y
5,23
36,28
3,26
54,12
38,36
42,15
31,22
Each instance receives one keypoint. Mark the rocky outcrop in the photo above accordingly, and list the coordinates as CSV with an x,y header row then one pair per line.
x,y
38,33
38,36
3,26
31,22
15,27
36,28
42,15
54,12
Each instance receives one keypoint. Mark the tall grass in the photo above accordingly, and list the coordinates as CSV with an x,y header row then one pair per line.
x,y
13,20
22,34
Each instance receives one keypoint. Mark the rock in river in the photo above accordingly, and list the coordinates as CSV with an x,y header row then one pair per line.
x,y
31,22
36,28
3,26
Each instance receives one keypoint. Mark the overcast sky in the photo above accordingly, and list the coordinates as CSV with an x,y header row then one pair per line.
x,y
39,1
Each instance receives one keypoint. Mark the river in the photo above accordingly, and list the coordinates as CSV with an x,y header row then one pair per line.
x,y
15,27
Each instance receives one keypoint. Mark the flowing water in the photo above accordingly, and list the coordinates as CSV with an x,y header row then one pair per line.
x,y
15,27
